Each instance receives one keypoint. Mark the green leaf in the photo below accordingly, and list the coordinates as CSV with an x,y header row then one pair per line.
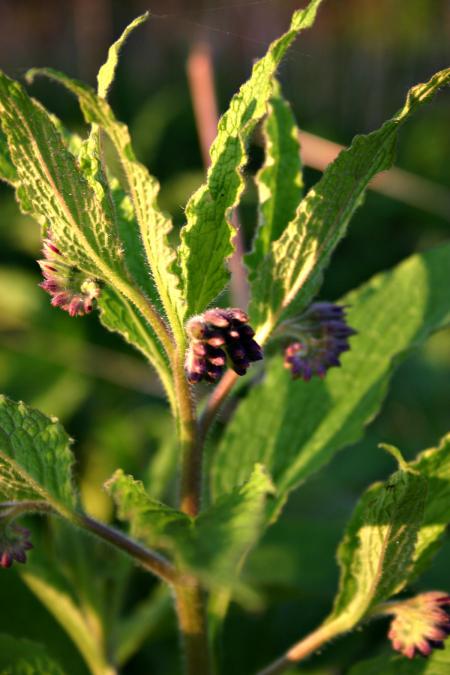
x,y
118,315
144,620
154,225
297,259
377,550
52,185
53,591
23,657
295,427
151,521
279,181
438,663
107,72
35,458
206,238
211,545
434,464
8,172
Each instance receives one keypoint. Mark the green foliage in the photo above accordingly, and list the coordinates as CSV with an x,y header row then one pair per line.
x,y
378,545
52,186
437,663
35,459
210,545
279,181
108,224
154,225
291,272
434,464
119,315
8,172
23,657
294,427
86,605
206,238
106,73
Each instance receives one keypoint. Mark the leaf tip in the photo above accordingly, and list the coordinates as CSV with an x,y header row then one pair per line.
x,y
397,455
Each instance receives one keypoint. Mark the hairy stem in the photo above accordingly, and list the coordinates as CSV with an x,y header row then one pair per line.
x,y
216,401
189,599
190,442
191,612
150,560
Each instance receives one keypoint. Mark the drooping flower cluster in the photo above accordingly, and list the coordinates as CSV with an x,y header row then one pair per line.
x,y
14,543
70,290
420,624
218,337
321,336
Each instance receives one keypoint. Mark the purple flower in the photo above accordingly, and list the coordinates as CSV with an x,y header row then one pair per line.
x,y
217,338
321,336
70,290
14,543
420,624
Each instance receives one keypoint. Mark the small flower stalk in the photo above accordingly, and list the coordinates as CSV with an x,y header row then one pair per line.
x,y
14,544
220,338
70,290
420,624
320,335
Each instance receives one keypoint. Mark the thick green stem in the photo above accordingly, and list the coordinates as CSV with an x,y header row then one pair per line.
x,y
191,612
190,442
190,602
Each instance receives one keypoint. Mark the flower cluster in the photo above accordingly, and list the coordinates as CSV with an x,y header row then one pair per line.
x,y
14,542
218,337
70,289
321,335
420,624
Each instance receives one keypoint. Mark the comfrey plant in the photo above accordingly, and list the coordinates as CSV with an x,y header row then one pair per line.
x,y
108,248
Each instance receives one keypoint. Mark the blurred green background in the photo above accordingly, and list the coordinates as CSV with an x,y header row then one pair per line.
x,y
345,76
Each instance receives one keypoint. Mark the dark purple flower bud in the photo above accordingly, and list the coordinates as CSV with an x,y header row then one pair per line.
x,y
14,542
237,314
420,624
216,318
216,356
321,336
252,350
70,289
216,336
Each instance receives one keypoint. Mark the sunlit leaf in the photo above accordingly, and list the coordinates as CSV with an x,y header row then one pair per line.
x,y
206,238
290,274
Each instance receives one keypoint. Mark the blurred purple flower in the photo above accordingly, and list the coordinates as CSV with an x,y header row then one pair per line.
x,y
14,543
321,336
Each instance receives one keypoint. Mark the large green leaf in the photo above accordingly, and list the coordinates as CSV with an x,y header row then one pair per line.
x,y
290,274
35,458
23,657
210,545
118,315
434,464
389,664
377,550
279,181
295,427
206,238
154,225
53,186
